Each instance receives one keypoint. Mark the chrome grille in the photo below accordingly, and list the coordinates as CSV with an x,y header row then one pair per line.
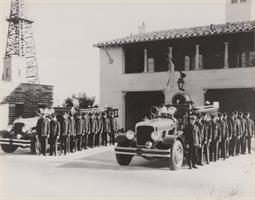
x,y
143,134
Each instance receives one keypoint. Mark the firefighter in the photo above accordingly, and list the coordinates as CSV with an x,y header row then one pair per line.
x,y
225,118
206,121
79,131
200,149
243,132
96,130
113,127
85,134
215,138
238,133
191,135
64,135
104,128
224,136
89,130
249,130
72,132
54,135
43,130
232,127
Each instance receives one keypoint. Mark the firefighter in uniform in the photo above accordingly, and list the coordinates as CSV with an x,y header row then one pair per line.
x,y
85,135
54,135
64,135
228,136
232,127
238,133
224,136
191,135
249,130
104,129
200,149
79,132
113,127
243,131
215,138
72,132
43,130
96,130
89,130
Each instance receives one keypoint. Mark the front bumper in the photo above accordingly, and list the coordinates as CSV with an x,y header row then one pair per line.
x,y
16,142
143,152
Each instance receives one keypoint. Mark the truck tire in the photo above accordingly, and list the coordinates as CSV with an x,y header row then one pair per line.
x,y
176,156
7,148
35,145
122,159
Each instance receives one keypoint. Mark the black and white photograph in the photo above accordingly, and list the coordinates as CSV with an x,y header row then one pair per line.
x,y
125,99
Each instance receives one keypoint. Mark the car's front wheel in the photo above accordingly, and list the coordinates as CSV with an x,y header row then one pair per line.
x,y
176,157
7,148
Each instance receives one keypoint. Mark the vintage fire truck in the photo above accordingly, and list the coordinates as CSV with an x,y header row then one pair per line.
x,y
162,135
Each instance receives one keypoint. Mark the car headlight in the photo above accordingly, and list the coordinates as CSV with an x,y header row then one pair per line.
x,y
9,128
24,129
155,135
130,134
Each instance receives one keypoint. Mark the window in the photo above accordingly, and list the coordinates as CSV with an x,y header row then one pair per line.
x,y
242,1
233,1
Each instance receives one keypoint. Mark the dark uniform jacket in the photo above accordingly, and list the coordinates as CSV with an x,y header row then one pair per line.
x,y
89,125
249,127
238,127
216,134
191,135
96,126
72,127
113,124
43,127
224,129
202,130
104,125
243,125
80,128
65,130
54,129
232,127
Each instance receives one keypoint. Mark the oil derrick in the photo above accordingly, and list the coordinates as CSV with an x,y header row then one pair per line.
x,y
20,40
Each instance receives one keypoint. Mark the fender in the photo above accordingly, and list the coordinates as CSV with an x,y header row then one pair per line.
x,y
170,139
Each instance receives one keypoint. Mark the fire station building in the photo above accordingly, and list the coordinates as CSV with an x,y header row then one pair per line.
x,y
218,61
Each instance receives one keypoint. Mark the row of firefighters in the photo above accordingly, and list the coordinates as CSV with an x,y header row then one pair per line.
x,y
217,136
75,131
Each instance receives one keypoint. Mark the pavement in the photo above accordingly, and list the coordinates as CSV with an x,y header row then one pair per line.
x,y
95,174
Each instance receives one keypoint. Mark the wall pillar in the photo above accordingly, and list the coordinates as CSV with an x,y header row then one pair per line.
x,y
197,58
145,61
226,65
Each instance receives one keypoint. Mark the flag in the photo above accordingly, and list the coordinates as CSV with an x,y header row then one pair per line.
x,y
170,80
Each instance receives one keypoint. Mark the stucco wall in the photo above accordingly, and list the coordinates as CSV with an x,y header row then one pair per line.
x,y
113,82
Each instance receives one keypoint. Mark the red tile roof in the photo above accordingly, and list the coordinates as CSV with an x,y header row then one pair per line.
x,y
213,29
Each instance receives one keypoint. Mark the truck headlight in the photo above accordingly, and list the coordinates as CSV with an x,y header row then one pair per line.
x,y
130,134
155,135
9,128
24,129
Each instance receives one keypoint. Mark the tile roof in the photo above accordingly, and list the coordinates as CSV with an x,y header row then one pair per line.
x,y
212,29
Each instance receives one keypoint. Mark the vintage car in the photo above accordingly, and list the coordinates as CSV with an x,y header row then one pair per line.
x,y
162,135
22,134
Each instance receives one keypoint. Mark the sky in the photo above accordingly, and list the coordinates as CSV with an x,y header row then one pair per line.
x,y
65,31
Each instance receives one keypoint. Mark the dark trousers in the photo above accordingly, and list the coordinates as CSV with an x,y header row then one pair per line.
x,y
73,143
53,145
79,142
232,146
91,140
200,155
223,149
97,139
64,144
85,140
238,145
43,144
112,137
207,152
243,144
104,138
214,148
227,147
192,156
249,143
